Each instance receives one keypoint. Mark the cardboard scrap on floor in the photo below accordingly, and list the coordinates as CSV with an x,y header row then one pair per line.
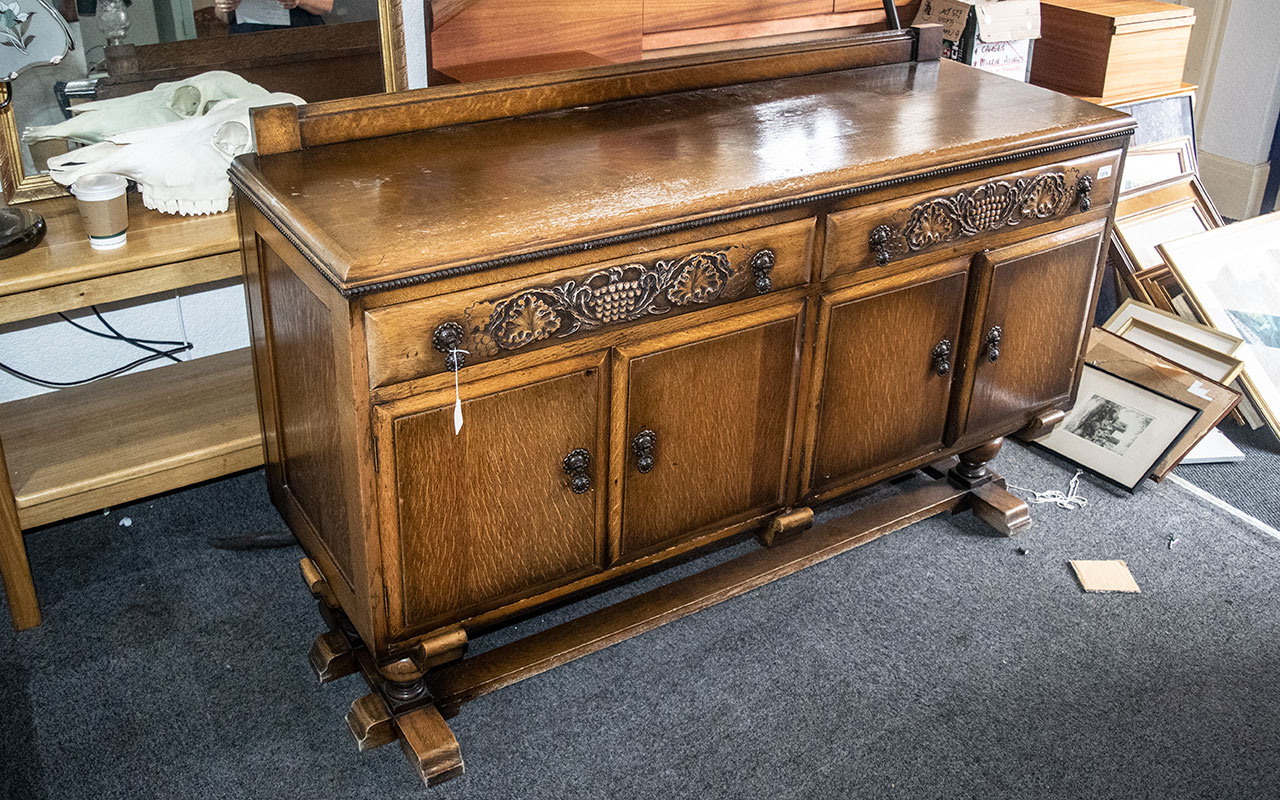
x,y
1105,576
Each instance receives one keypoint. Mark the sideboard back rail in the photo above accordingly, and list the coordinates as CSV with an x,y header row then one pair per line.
x,y
279,129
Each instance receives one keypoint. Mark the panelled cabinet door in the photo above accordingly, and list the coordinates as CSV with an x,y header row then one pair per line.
x,y
1024,349
886,356
511,504
707,426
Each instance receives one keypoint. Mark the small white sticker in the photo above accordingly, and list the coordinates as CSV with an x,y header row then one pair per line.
x,y
1104,173
1199,390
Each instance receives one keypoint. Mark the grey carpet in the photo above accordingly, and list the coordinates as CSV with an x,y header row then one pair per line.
x,y
936,662
1252,485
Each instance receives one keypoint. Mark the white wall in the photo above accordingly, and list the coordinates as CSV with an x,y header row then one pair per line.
x,y
211,317
1238,117
415,47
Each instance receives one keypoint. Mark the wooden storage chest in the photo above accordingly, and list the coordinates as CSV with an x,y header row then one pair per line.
x,y
679,301
1109,48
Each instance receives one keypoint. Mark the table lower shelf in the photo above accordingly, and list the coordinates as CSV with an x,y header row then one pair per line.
x,y
114,441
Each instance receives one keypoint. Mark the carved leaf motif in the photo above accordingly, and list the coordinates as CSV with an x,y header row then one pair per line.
x,y
523,320
699,278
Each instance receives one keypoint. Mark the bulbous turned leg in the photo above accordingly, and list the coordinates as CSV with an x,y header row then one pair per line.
x,y
989,500
972,471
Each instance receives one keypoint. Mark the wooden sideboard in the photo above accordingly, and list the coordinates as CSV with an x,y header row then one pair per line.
x,y
680,301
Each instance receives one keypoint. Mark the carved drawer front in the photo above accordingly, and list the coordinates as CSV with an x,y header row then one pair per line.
x,y
898,230
511,504
420,338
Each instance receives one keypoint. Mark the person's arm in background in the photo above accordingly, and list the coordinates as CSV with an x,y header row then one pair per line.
x,y
311,6
226,9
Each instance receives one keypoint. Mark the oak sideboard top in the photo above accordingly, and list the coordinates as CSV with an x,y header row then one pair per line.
x,y
379,210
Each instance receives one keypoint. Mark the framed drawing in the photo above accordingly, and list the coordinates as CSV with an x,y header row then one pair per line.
x,y
1202,335
1232,277
1161,214
1193,356
1158,163
1119,430
1124,359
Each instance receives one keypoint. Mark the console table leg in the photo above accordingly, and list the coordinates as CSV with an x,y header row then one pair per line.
x,y
15,570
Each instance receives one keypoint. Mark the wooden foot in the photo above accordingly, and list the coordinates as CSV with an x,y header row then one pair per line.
x,y
1042,425
430,746
15,570
994,505
787,524
370,723
332,657
316,584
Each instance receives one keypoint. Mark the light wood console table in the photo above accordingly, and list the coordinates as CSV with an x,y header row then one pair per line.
x,y
116,440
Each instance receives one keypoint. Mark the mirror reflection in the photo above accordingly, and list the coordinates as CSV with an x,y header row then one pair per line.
x,y
312,49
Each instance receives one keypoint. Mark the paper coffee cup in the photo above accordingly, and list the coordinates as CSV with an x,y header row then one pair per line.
x,y
103,209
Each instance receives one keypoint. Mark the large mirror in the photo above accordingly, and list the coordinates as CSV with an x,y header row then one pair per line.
x,y
345,51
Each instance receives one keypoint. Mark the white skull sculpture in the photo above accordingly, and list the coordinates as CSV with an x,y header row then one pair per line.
x,y
181,167
168,102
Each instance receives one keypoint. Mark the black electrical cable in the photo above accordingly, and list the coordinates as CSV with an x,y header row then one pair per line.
x,y
109,374
87,329
135,342
141,344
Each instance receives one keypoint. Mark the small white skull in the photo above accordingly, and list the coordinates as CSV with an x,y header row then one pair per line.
x,y
98,120
180,167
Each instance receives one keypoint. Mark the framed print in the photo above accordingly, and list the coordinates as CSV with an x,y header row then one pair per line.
x,y
1157,163
1195,357
1124,359
1160,214
1118,429
1232,277
1203,335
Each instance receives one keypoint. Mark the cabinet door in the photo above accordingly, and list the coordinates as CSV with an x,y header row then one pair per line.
x,y
491,514
1024,354
707,433
885,353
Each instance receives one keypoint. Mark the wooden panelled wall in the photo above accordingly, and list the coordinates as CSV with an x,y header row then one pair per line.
x,y
629,30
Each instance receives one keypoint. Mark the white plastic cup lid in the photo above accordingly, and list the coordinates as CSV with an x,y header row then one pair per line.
x,y
99,186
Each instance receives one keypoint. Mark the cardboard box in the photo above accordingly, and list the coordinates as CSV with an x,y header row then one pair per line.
x,y
992,35
1112,48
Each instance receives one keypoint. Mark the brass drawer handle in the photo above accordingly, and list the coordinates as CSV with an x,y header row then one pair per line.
x,y
942,357
993,343
642,445
1084,191
576,466
448,340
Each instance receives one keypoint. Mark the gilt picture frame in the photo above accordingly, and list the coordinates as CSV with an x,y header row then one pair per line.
x,y
1232,277
1193,356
